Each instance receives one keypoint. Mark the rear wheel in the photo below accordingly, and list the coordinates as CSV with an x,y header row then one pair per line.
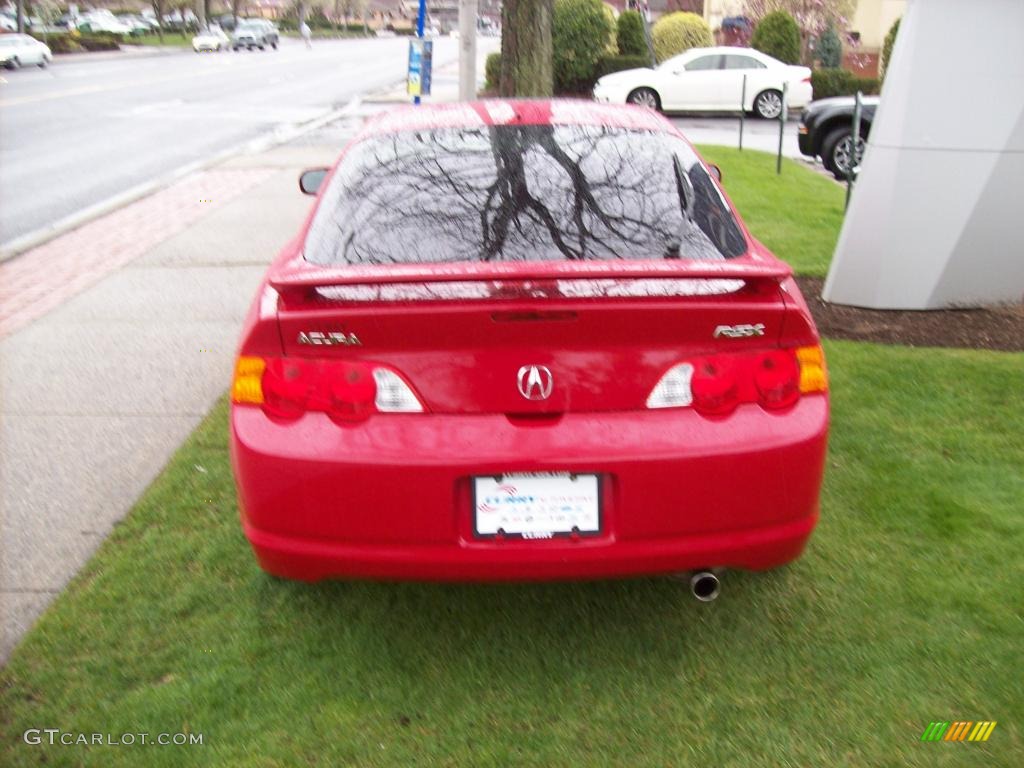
x,y
644,97
837,152
274,45
768,104
14,63
43,62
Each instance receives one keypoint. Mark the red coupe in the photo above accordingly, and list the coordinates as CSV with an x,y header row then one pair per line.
x,y
526,340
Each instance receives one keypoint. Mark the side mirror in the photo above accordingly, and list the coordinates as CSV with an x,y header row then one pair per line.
x,y
311,179
715,171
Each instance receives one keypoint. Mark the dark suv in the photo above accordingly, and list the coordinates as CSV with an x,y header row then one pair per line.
x,y
826,127
254,33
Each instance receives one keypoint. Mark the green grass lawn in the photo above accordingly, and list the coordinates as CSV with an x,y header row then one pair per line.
x,y
905,609
796,214
170,39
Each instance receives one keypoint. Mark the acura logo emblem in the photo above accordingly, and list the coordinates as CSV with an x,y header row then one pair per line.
x,y
535,382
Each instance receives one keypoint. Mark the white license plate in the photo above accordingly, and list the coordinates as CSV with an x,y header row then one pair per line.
x,y
536,505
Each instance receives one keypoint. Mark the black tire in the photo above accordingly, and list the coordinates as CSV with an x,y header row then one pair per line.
x,y
14,63
836,150
274,45
43,63
768,104
644,97
263,48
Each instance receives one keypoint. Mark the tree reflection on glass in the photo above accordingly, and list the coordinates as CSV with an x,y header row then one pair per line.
x,y
521,193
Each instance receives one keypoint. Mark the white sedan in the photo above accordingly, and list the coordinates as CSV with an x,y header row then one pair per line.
x,y
212,39
19,50
711,79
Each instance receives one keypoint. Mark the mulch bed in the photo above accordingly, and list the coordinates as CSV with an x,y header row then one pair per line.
x,y
998,328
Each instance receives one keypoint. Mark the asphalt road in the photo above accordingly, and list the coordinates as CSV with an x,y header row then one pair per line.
x,y
82,132
762,135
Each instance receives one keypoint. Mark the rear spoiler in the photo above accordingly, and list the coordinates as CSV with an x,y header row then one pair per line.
x,y
298,275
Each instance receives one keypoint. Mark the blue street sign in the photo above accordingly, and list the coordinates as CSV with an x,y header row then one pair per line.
x,y
421,54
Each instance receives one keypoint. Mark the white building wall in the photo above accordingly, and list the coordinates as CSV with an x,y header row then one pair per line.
x,y
937,212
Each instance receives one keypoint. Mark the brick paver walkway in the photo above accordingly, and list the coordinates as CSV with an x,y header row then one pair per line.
x,y
43,278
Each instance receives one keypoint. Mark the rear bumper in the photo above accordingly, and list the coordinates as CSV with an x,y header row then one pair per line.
x,y
312,560
391,498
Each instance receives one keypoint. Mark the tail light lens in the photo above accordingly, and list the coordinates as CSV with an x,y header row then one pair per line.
x,y
346,391
715,385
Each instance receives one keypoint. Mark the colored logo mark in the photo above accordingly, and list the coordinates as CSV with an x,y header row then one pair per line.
x,y
960,730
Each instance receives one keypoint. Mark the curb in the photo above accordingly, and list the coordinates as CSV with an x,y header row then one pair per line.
x,y
281,135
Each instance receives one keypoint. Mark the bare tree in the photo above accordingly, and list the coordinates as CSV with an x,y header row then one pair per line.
x,y
159,10
526,64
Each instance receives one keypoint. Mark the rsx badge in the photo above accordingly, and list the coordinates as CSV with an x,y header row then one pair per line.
x,y
739,331
329,339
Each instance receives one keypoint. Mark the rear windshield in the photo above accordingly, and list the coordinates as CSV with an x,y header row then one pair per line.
x,y
521,193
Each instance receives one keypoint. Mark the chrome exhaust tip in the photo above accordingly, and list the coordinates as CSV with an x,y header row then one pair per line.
x,y
705,586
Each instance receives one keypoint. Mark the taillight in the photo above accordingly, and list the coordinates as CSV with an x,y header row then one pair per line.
x,y
714,385
346,391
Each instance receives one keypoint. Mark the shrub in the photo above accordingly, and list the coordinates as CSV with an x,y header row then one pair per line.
x,y
579,35
62,42
630,34
840,82
612,48
492,71
830,50
677,32
778,35
887,44
609,64
59,42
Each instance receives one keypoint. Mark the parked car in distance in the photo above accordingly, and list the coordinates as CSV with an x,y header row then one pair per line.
x,y
254,33
22,50
211,39
137,26
826,131
102,20
710,80
526,340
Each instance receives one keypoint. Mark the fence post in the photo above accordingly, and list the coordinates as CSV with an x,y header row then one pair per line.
x,y
851,170
743,111
782,126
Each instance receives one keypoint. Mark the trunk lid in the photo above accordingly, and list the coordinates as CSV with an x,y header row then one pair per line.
x,y
495,338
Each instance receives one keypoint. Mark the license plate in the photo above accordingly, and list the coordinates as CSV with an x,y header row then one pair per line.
x,y
536,505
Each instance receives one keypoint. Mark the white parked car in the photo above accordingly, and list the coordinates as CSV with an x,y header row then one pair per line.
x,y
102,20
711,79
20,50
212,39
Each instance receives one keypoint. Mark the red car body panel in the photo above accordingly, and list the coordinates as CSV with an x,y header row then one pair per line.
x,y
390,496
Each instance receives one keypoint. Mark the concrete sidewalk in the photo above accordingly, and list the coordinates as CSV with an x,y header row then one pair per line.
x,y
98,392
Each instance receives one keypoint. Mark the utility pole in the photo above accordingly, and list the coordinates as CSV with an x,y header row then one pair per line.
x,y
201,13
21,17
467,49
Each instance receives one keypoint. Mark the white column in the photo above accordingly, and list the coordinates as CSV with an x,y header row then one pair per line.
x,y
935,218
